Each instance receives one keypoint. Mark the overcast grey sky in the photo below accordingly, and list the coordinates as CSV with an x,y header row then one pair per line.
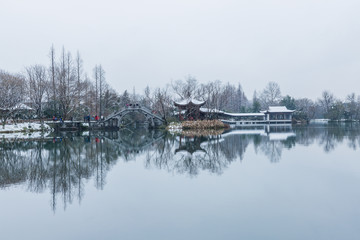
x,y
306,46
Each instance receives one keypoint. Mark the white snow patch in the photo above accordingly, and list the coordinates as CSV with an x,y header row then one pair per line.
x,y
23,127
174,127
21,135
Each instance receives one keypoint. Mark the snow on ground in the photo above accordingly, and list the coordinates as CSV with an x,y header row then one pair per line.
x,y
174,128
86,133
22,135
23,128
319,120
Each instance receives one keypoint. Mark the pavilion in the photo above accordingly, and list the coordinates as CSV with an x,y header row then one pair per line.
x,y
273,115
278,114
189,109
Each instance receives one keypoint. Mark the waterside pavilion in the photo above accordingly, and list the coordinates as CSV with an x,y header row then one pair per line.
x,y
189,109
274,115
278,114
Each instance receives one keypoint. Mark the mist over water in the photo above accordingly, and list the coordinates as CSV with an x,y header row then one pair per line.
x,y
264,182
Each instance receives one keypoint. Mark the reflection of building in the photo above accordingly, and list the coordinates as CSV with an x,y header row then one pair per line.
x,y
189,109
273,132
191,144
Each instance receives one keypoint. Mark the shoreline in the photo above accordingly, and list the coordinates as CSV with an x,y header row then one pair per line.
x,y
27,127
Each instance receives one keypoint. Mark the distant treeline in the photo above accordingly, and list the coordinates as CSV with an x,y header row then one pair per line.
x,y
62,88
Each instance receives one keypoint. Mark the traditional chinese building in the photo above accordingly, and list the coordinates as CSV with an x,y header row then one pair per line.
x,y
274,115
278,114
189,109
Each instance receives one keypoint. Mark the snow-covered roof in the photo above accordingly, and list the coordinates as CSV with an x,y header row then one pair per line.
x,y
20,106
244,114
23,107
181,112
278,109
185,102
209,110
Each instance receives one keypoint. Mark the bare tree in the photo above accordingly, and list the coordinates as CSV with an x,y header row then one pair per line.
x,y
37,82
89,96
305,109
101,87
352,107
110,100
228,98
326,102
52,74
162,102
211,94
79,85
99,75
271,95
96,76
67,84
185,89
147,100
337,110
11,94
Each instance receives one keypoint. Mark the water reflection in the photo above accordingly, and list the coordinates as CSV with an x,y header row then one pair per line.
x,y
63,164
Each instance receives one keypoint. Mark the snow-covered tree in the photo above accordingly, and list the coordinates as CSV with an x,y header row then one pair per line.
x,y
12,92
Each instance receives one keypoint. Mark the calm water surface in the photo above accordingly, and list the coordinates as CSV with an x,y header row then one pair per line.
x,y
255,183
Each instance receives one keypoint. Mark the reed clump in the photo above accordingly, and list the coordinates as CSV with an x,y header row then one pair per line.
x,y
203,124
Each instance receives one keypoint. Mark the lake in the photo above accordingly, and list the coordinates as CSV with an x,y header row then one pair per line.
x,y
278,182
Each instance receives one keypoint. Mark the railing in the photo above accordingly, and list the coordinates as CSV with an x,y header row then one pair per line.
x,y
137,108
250,122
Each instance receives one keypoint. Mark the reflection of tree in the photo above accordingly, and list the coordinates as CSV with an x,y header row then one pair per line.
x,y
215,153
237,141
37,168
329,136
272,149
130,143
234,146
352,132
12,165
189,155
63,164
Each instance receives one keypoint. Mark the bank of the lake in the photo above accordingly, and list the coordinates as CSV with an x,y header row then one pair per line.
x,y
25,127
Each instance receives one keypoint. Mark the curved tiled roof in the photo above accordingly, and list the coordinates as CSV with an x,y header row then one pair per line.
x,y
278,109
185,102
